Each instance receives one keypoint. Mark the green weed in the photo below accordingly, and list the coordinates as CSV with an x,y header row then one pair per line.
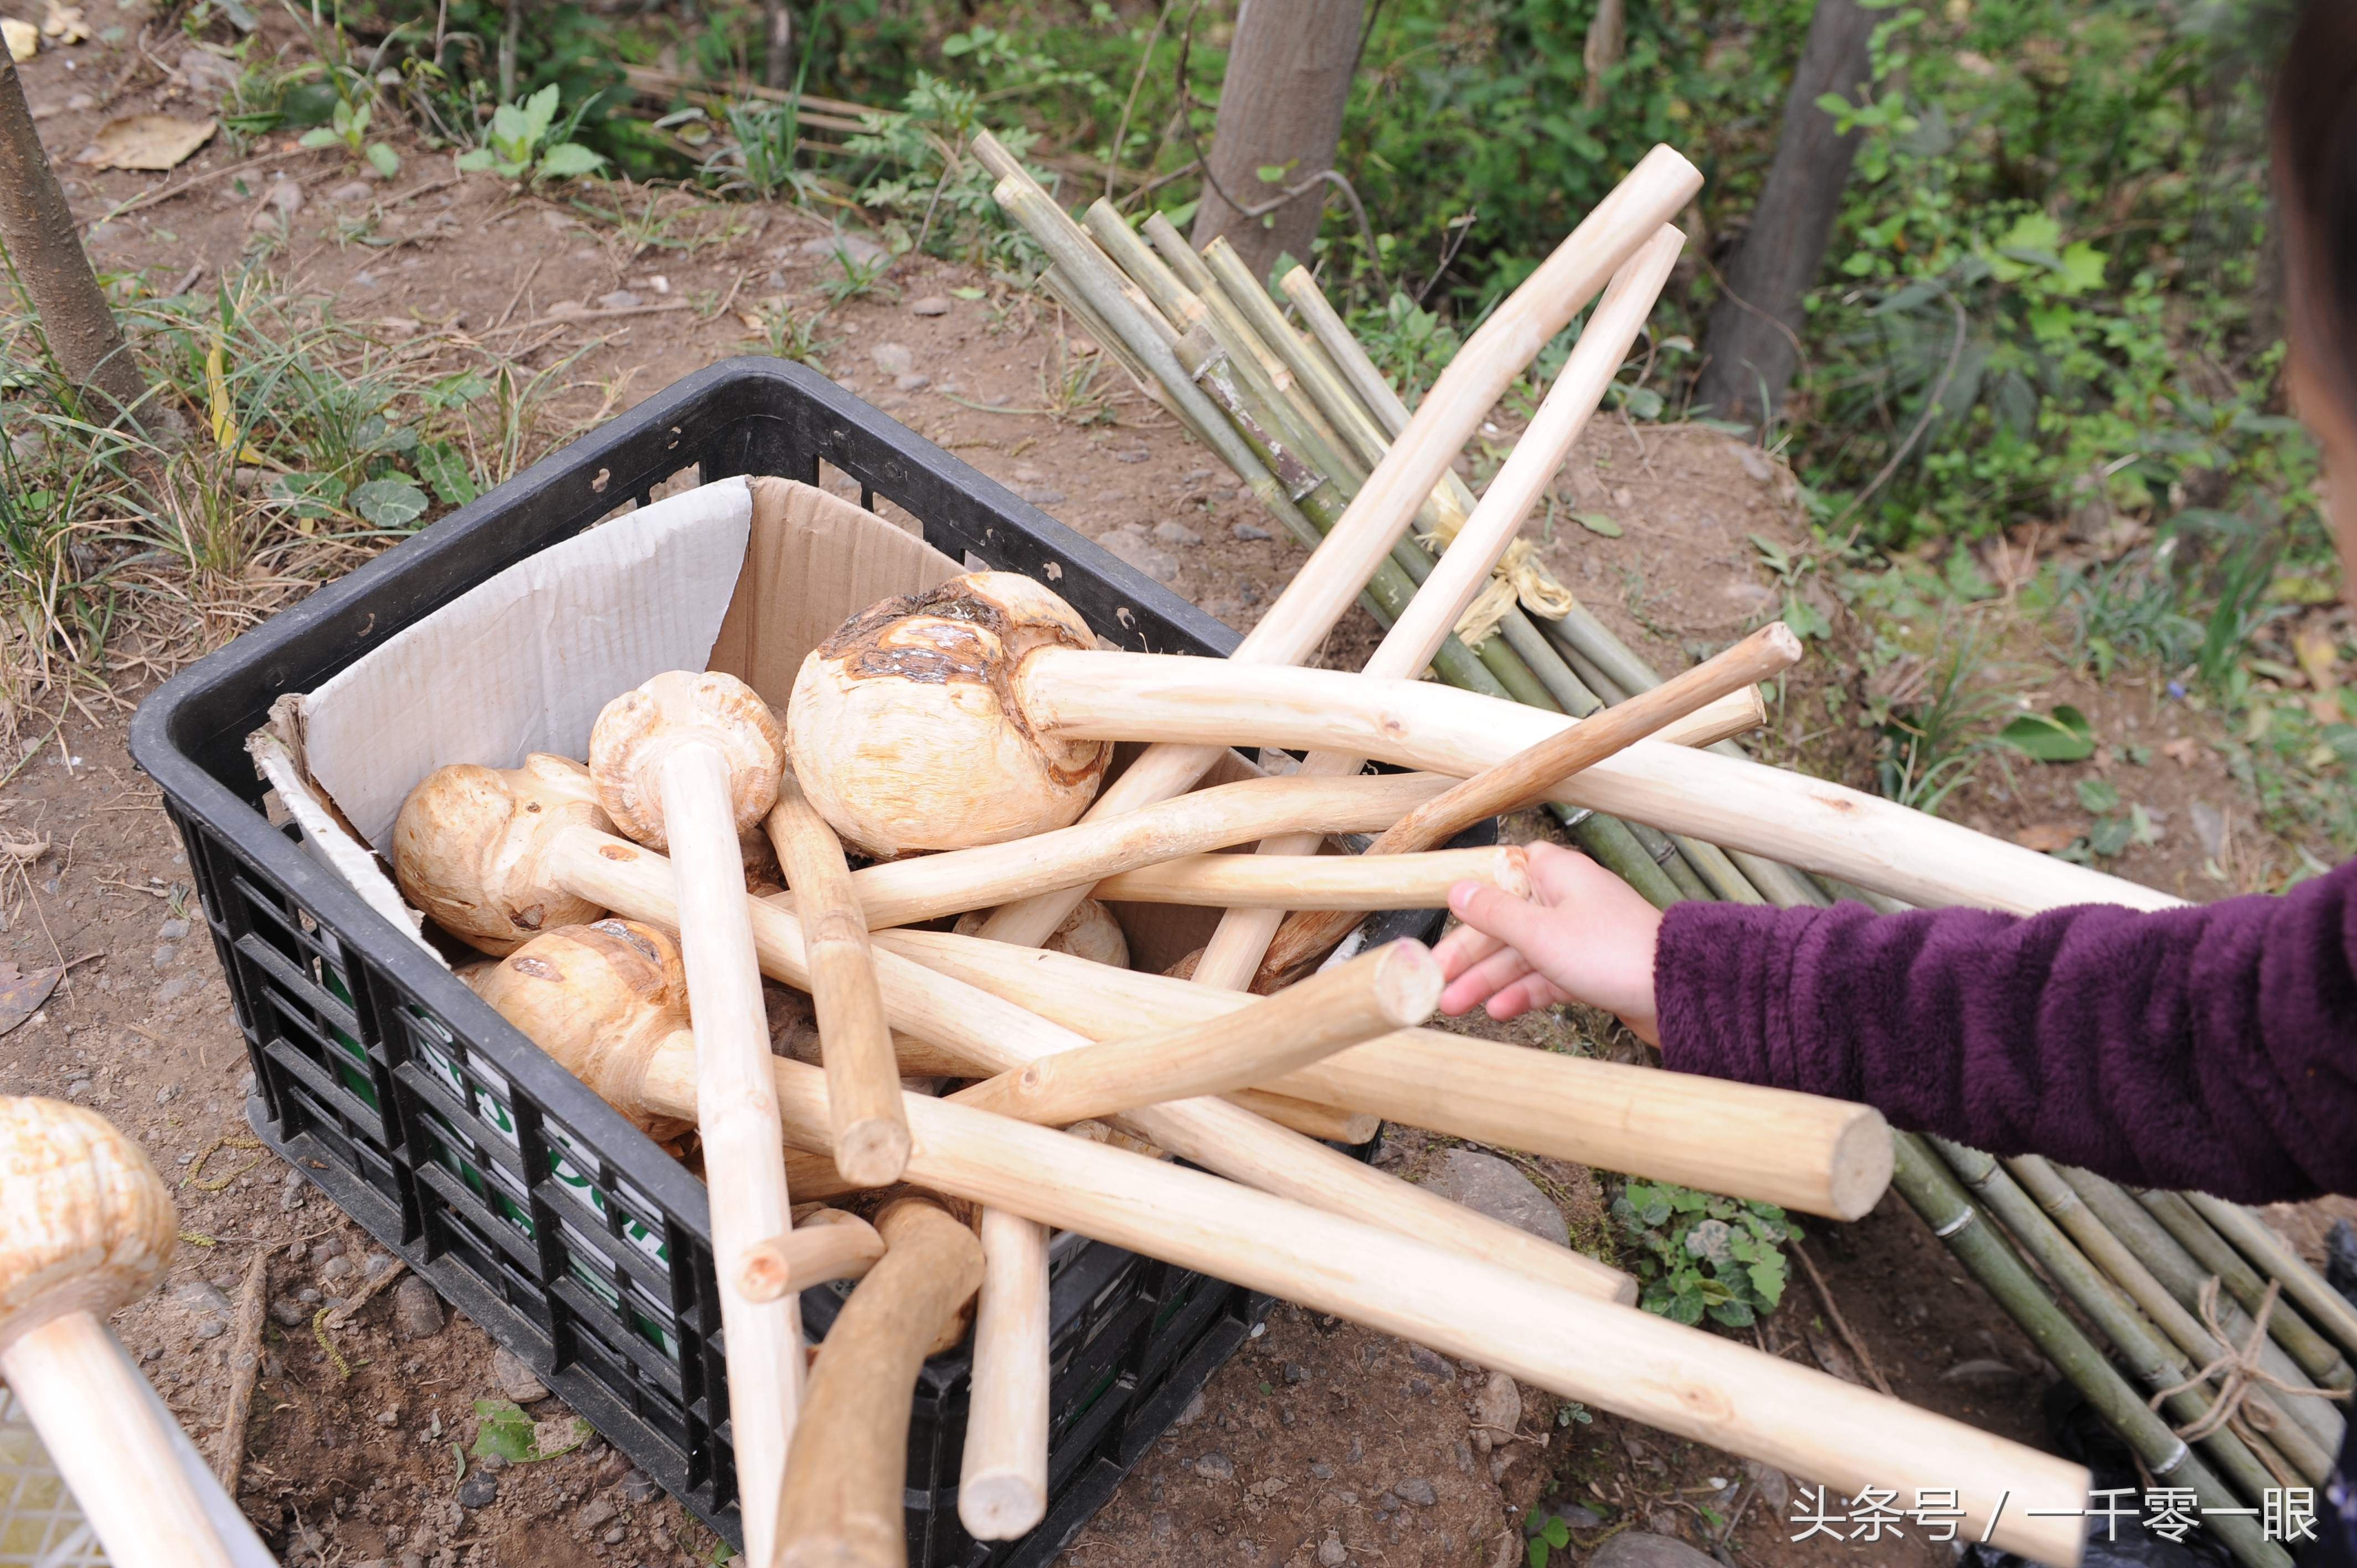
x,y
1702,1256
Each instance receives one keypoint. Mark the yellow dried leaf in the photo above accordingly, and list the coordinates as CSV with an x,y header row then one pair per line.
x,y
150,141
24,38
65,24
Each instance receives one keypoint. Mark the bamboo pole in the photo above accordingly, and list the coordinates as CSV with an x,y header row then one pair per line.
x,y
1394,987
2177,1270
2193,1230
1934,1192
2058,1199
1817,1155
2149,1355
2260,1243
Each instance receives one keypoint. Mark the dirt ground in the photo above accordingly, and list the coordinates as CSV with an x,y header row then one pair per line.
x,y
1319,1438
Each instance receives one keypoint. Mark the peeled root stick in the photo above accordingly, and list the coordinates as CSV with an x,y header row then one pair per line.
x,y
1822,1156
1349,882
1396,985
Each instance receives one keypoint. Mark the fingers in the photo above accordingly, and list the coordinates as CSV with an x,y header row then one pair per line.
x,y
1512,920
1502,968
1530,992
1463,948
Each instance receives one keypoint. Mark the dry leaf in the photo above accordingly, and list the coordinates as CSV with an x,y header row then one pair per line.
x,y
2319,658
149,141
2184,751
2046,837
24,38
65,24
21,996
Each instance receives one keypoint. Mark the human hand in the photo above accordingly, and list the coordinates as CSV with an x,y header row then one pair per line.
x,y
1583,935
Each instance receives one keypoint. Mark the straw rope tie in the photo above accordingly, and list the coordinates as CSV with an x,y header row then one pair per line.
x,y
1517,578
2239,1368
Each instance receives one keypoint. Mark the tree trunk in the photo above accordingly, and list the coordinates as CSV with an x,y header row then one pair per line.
x,y
778,54
38,230
1281,106
1753,338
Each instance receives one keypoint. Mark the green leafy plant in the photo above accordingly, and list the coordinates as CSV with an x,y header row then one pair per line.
x,y
1701,1255
348,128
1547,1534
507,1431
525,142
2063,735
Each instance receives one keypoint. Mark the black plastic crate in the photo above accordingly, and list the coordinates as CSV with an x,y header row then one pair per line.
x,y
525,1200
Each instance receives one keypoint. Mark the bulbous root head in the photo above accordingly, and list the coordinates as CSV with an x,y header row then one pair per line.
x,y
86,1225
469,842
1090,932
684,707
905,732
601,999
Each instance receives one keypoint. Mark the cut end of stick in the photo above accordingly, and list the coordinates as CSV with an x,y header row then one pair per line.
x,y
1781,641
873,1151
1408,982
1000,1506
1861,1165
765,1274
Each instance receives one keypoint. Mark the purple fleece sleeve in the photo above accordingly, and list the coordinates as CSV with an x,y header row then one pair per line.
x,y
2213,1048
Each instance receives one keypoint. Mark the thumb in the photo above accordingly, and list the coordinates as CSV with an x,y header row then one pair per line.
x,y
1514,921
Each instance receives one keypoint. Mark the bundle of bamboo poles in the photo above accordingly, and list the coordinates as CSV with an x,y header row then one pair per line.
x,y
2164,1291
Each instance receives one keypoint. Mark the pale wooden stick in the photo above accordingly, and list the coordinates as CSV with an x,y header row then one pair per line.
x,y
1349,882
1685,1381
1860,838
998,1036
243,1365
1234,954
827,1245
1003,1475
871,1140
1526,775
841,1506
1328,1123
1392,987
82,1395
703,750
1298,623
1818,1156
921,888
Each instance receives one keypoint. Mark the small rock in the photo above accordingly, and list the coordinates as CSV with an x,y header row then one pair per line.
x,y
595,1515
1431,1362
1041,495
1498,1409
620,299
79,104
1177,534
1331,1553
913,381
893,359
1192,1413
1249,534
1487,1184
1027,474
2209,827
1775,1486
479,1490
172,989
1419,1387
515,1376
349,191
1295,1372
205,1300
292,1198
1635,1549
288,1313
308,1296
1755,463
168,1093
416,1310
861,252
1417,1491
78,1089
493,1462
1132,455
203,70
1130,544
172,930
1321,1470
338,1269
1389,1503
209,1328
638,1486
930,304
388,1417
616,1535
1216,1466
